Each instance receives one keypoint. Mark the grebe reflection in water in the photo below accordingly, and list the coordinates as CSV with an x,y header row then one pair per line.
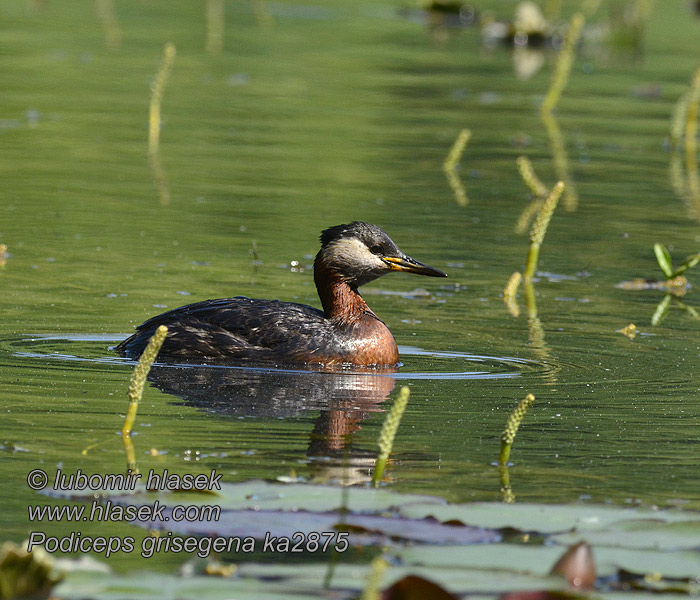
x,y
345,331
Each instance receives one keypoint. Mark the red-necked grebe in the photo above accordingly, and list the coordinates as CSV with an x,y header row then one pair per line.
x,y
346,331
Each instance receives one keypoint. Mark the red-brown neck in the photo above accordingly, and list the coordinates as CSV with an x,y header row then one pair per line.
x,y
341,302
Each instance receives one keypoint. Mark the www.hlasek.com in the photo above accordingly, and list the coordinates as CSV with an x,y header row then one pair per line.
x,y
154,514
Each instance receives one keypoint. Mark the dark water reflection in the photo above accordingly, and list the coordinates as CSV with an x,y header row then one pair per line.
x,y
342,400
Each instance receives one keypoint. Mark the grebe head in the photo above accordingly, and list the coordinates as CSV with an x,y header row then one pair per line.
x,y
360,252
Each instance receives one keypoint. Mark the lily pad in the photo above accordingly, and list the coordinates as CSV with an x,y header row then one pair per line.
x,y
364,529
261,495
545,519
651,534
538,559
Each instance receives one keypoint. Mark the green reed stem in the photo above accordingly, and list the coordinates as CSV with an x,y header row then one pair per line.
x,y
508,436
388,432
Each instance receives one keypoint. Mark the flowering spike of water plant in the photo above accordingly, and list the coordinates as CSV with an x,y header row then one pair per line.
x,y
388,432
564,62
530,178
525,218
512,285
138,378
508,436
509,293
539,228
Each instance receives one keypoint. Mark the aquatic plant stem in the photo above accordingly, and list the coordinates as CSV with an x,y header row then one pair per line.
x,y
512,425
388,432
533,254
157,97
539,228
504,479
377,569
561,160
564,63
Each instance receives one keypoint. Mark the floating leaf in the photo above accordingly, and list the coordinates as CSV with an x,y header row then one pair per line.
x,y
653,534
413,587
547,519
664,259
364,530
537,559
256,494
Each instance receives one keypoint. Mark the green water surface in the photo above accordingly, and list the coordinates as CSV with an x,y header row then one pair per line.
x,y
313,115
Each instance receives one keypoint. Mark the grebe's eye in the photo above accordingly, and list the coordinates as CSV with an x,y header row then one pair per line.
x,y
376,249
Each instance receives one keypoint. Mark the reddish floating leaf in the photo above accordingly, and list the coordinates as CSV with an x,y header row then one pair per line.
x,y
413,587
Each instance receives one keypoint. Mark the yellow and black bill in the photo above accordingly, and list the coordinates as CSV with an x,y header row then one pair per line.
x,y
411,265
